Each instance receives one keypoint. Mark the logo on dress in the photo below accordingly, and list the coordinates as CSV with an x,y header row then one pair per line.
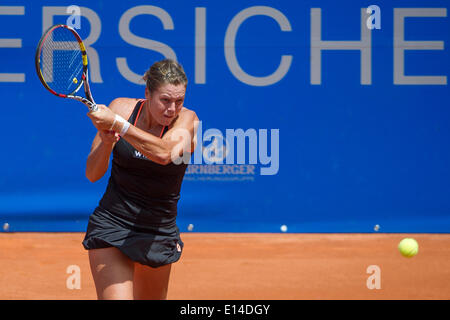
x,y
139,155
178,247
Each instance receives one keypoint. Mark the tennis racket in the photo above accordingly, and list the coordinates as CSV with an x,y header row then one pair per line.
x,y
62,64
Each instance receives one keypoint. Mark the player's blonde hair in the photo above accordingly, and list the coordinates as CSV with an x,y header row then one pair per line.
x,y
162,72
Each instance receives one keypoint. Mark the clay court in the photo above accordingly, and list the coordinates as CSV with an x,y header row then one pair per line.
x,y
243,266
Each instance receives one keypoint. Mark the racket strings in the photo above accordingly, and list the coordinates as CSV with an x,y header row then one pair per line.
x,y
61,61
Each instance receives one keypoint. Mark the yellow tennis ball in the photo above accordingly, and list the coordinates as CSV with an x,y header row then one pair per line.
x,y
408,247
75,80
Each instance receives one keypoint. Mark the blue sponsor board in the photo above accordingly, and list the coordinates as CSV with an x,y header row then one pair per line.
x,y
323,116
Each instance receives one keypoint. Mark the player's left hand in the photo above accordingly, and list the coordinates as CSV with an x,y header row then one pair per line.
x,y
103,118
109,137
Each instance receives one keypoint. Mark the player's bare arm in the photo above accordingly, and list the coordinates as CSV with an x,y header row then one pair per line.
x,y
179,138
98,159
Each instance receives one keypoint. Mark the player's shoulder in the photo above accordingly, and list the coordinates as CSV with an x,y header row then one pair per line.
x,y
123,106
188,114
186,117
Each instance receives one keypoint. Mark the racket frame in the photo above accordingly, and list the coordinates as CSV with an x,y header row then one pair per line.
x,y
89,100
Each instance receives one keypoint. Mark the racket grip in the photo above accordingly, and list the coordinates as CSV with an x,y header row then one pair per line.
x,y
93,107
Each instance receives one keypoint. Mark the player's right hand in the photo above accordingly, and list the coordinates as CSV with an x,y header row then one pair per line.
x,y
103,118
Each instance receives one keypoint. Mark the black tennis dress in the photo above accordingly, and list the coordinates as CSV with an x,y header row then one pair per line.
x,y
137,214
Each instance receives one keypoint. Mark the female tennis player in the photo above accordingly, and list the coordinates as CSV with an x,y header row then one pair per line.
x,y
132,236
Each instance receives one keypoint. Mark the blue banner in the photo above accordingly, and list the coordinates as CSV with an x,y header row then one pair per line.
x,y
316,116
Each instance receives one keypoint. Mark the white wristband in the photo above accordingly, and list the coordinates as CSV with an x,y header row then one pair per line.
x,y
114,123
125,127
125,124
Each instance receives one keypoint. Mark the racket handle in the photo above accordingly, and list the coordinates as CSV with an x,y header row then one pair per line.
x,y
93,107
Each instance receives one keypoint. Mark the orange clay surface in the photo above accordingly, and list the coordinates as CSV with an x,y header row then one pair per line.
x,y
244,266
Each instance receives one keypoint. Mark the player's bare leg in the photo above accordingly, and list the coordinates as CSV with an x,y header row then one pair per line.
x,y
151,283
113,274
